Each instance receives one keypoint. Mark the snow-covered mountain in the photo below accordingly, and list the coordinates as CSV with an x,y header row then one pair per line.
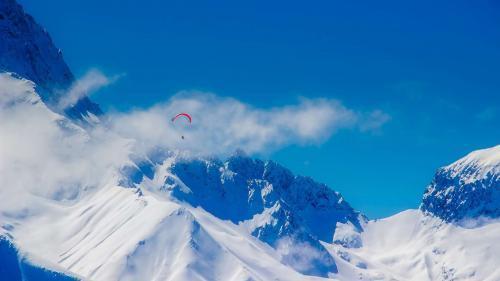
x,y
166,216
27,50
265,199
453,236
84,202
468,188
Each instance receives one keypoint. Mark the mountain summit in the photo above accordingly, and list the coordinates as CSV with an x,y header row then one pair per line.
x,y
267,201
468,188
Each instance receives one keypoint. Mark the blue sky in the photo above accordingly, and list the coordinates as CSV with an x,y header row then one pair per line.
x,y
433,67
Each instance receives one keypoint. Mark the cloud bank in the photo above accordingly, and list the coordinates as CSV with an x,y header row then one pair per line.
x,y
221,125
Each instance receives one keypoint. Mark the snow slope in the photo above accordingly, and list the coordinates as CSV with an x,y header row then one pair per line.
x,y
414,246
120,234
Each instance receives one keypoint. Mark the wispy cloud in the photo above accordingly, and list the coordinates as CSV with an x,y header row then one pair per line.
x,y
92,81
373,121
303,256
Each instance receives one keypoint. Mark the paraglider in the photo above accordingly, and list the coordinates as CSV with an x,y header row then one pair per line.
x,y
182,114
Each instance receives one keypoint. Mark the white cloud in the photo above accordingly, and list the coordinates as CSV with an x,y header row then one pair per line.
x,y
222,125
92,81
373,121
301,255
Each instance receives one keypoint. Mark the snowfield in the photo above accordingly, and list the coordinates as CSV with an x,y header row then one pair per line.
x,y
119,234
414,246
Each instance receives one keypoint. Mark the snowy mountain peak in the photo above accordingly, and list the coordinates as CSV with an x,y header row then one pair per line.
x,y
28,50
250,187
476,165
468,188
263,198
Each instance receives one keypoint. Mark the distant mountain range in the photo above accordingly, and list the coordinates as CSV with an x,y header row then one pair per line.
x,y
161,215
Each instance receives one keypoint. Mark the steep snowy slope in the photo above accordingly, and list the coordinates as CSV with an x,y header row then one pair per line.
x,y
120,234
468,188
415,246
27,50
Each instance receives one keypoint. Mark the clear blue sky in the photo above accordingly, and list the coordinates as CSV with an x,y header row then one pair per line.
x,y
434,66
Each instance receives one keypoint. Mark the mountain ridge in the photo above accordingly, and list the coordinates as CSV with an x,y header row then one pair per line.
x,y
27,49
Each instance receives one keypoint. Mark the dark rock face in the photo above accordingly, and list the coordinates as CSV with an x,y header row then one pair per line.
x,y
249,187
27,50
468,188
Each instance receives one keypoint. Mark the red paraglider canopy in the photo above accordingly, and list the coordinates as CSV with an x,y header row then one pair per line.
x,y
182,114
